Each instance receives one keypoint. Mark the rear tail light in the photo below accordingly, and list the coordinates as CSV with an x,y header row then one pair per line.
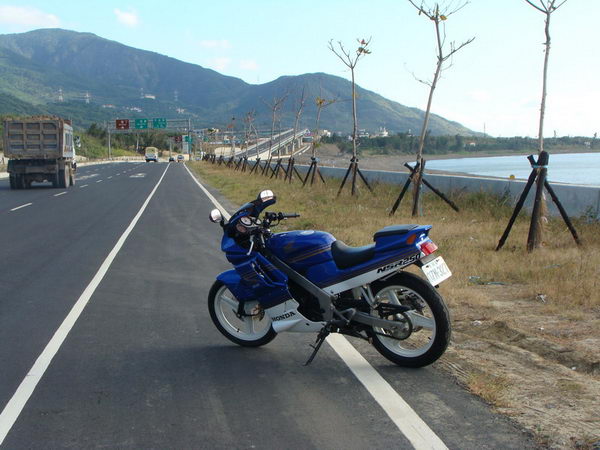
x,y
428,248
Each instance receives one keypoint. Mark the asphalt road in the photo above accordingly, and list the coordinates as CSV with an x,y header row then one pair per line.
x,y
143,367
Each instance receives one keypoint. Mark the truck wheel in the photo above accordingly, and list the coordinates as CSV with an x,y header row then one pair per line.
x,y
27,182
19,181
13,181
55,179
71,178
63,178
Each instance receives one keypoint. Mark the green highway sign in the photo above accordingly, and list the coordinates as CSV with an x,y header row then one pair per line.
x,y
141,124
187,139
159,123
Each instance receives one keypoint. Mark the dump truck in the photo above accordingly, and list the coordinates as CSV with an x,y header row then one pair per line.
x,y
39,149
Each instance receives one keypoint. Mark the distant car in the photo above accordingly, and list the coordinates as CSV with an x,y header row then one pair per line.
x,y
180,158
151,154
171,159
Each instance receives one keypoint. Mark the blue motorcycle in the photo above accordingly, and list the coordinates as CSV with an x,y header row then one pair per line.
x,y
307,281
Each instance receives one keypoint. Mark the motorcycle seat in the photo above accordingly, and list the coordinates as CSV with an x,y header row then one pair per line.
x,y
345,256
394,230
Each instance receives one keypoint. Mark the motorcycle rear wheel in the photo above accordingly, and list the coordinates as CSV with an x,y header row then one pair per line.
x,y
430,321
245,331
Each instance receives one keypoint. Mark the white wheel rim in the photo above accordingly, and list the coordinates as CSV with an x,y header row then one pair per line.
x,y
419,342
245,328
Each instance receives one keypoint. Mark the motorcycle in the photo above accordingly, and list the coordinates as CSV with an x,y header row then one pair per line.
x,y
307,281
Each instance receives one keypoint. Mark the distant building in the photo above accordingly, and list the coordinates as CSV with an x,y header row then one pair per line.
x,y
381,133
150,96
108,106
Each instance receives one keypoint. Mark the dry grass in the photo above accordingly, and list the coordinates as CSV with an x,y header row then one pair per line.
x,y
566,276
488,387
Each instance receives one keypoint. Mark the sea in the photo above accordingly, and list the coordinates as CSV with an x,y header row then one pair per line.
x,y
571,168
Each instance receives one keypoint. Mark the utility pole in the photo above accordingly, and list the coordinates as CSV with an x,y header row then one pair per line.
x,y
109,149
189,138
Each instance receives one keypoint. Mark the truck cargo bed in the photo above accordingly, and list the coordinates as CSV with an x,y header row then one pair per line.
x,y
38,139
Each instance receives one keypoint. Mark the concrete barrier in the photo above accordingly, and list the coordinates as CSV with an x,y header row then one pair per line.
x,y
578,200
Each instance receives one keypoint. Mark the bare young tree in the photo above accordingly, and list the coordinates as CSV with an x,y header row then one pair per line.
x,y
301,102
350,60
313,169
547,7
231,126
534,239
321,103
248,129
290,166
438,13
275,105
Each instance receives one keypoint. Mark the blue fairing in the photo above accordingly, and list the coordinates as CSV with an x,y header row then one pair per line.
x,y
254,277
309,253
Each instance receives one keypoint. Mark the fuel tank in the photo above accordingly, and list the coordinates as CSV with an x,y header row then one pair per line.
x,y
302,249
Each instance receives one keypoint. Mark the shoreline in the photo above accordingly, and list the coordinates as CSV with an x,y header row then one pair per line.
x,y
329,156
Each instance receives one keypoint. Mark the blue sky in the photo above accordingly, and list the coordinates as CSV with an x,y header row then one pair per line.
x,y
494,82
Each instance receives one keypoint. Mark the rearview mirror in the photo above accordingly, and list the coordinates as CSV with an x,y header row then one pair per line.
x,y
266,195
215,216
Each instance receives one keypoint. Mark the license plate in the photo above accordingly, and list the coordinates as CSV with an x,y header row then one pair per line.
x,y
436,271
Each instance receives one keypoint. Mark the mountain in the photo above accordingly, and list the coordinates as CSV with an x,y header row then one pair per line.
x,y
137,83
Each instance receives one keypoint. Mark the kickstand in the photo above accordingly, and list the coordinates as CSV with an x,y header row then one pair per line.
x,y
320,339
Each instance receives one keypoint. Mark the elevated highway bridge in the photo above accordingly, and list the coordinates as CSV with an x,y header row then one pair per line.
x,y
282,142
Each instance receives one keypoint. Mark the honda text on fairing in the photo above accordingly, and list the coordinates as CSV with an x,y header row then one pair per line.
x,y
307,281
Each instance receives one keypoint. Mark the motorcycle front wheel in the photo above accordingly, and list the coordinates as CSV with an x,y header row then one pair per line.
x,y
429,328
253,330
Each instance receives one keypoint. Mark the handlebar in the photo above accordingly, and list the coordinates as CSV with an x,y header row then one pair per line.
x,y
270,216
287,215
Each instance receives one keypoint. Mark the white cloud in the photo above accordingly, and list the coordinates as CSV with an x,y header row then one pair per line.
x,y
127,18
220,64
248,64
222,44
25,17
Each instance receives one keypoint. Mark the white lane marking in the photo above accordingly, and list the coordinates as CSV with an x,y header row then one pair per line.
x,y
110,177
13,408
99,181
209,195
84,185
60,193
22,206
406,419
85,177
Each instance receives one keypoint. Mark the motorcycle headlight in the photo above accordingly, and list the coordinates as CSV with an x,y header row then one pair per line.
x,y
266,195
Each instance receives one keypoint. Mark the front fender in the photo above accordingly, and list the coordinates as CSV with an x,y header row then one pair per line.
x,y
229,278
233,281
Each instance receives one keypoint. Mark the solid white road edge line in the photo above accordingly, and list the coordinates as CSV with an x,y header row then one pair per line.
x,y
13,408
22,206
209,195
406,419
